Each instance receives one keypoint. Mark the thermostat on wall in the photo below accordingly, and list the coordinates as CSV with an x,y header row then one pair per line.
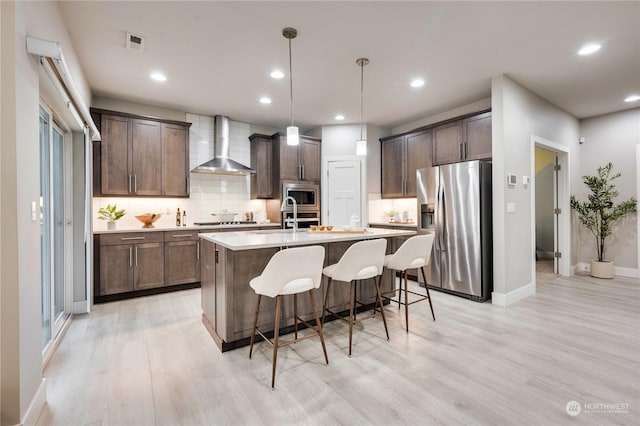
x,y
512,179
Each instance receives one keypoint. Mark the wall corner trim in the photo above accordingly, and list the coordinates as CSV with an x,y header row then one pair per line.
x,y
80,307
36,405
506,299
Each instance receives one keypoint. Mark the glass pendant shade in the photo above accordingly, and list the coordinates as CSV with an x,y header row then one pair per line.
x,y
361,147
293,137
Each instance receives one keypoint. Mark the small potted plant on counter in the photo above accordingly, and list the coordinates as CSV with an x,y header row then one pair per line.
x,y
599,214
110,214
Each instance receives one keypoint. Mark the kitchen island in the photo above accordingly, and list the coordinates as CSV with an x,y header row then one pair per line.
x,y
230,260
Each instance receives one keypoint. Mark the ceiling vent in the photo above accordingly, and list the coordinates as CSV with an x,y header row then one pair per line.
x,y
135,42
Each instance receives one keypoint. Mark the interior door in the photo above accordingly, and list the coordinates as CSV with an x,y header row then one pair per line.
x,y
344,192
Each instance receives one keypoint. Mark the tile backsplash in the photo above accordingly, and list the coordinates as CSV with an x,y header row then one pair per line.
x,y
208,193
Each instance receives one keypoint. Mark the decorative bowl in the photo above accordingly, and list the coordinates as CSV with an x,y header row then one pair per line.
x,y
148,218
329,227
320,227
314,227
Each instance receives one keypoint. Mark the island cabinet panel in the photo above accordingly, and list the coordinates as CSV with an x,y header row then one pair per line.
x,y
228,302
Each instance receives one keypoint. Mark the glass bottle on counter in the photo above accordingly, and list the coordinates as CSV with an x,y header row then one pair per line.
x,y
178,217
184,218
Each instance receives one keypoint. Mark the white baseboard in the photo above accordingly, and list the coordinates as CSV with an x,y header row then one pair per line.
x,y
506,299
617,270
80,307
573,269
36,405
626,272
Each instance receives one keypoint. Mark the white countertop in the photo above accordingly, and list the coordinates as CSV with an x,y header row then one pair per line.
x,y
248,240
186,228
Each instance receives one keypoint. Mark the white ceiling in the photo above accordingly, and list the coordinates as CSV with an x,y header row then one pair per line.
x,y
218,55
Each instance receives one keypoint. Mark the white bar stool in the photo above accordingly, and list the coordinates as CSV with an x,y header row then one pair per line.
x,y
414,253
362,260
289,271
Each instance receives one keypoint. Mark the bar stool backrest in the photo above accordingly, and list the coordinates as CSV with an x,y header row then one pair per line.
x,y
364,259
414,253
289,265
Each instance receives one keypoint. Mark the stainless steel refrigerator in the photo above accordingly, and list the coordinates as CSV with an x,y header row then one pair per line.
x,y
454,202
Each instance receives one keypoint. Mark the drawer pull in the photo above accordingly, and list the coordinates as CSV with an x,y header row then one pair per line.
x,y
182,235
198,251
132,238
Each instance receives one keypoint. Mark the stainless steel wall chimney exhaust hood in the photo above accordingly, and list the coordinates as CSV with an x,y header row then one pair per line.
x,y
221,164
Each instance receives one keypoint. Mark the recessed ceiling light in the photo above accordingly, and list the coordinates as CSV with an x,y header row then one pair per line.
x,y
590,48
339,117
158,76
632,98
277,74
265,100
417,83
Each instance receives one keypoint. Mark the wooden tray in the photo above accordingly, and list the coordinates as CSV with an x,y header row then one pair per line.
x,y
339,231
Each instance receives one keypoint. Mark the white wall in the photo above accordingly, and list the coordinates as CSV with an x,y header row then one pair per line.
x,y
517,115
611,137
22,383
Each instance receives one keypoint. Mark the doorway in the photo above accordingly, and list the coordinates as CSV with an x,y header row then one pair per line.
x,y
55,218
550,200
344,192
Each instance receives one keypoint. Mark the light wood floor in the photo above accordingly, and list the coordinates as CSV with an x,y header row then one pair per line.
x,y
150,361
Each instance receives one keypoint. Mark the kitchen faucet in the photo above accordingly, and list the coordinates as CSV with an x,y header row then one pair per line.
x,y
283,207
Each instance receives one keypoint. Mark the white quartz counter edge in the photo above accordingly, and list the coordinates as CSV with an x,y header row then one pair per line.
x,y
412,225
249,240
187,228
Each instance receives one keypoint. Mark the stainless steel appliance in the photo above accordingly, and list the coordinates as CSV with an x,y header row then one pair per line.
x,y
454,202
307,196
304,220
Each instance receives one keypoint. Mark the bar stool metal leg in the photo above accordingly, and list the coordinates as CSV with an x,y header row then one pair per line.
x,y
351,309
318,324
276,332
426,286
295,315
406,300
255,324
379,297
399,292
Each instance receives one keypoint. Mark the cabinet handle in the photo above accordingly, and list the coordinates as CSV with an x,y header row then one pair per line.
x,y
181,235
135,183
299,172
466,149
136,255
132,238
461,153
130,256
129,183
198,251
216,256
302,171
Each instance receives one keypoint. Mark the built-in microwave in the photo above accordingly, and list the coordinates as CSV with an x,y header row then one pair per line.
x,y
307,196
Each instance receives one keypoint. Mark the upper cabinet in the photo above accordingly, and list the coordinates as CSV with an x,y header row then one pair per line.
x,y
274,162
301,162
140,156
262,162
401,157
463,140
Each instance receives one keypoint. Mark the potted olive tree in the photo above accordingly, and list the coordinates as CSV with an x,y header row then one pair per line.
x,y
599,214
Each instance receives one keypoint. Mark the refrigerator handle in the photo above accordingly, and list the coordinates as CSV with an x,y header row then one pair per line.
x,y
441,218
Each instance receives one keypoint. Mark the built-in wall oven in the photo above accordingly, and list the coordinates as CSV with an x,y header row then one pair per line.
x,y
307,196
305,219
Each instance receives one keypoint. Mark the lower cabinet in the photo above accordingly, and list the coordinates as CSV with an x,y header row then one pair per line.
x,y
129,262
181,257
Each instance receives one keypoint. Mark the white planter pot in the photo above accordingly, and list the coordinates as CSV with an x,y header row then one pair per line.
x,y
602,269
111,226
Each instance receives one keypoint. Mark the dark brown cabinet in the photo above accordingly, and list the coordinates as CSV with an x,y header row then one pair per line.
x,y
262,162
129,262
140,156
301,162
182,257
463,140
401,157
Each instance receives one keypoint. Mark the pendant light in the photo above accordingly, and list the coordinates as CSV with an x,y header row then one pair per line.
x,y
293,137
361,144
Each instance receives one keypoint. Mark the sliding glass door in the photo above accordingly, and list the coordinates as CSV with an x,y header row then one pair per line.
x,y
53,221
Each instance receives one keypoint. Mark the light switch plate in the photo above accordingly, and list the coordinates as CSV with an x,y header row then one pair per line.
x,y
526,180
511,207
